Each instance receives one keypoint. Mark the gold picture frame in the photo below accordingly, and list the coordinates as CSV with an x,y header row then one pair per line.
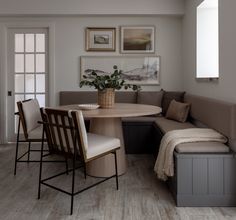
x,y
100,39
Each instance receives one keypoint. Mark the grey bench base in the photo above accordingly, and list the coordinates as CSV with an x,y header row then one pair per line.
x,y
204,180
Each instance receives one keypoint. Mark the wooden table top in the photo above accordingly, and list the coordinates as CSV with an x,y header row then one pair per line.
x,y
119,110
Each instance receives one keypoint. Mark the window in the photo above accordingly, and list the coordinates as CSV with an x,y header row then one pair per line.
x,y
207,40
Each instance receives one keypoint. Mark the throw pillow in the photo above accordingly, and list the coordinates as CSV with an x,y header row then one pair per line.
x,y
168,97
178,111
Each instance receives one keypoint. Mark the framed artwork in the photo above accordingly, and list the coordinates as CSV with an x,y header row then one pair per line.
x,y
137,39
100,39
141,70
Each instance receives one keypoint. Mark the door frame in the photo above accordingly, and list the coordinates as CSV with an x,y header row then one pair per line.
x,y
4,69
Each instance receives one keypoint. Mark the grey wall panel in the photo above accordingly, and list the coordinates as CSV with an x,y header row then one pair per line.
x,y
215,175
185,176
204,179
230,175
200,183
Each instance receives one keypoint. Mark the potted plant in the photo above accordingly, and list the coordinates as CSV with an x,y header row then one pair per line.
x,y
106,86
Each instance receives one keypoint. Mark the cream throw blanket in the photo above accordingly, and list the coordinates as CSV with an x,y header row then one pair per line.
x,y
164,166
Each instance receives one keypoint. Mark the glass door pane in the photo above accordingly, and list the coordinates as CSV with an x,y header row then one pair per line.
x,y
30,70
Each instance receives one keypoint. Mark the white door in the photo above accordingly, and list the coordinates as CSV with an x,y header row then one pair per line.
x,y
27,71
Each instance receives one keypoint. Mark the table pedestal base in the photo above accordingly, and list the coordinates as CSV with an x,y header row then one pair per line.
x,y
105,166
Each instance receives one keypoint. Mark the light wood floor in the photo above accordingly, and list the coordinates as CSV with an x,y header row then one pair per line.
x,y
141,196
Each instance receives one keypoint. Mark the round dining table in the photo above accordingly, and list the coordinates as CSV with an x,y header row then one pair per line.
x,y
108,122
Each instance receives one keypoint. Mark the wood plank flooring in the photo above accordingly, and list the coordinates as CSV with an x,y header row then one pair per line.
x,y
141,196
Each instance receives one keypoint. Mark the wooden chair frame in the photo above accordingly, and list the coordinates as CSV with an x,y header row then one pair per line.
x,y
48,128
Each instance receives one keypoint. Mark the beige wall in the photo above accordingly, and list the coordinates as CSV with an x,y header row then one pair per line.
x,y
225,88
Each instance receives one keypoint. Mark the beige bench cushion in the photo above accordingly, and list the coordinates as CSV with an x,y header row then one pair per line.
x,y
150,98
74,97
126,97
216,114
168,125
83,97
202,147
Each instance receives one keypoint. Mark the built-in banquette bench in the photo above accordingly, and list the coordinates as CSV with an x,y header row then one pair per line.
x,y
205,172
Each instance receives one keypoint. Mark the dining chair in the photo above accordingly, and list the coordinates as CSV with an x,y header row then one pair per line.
x,y
66,134
29,115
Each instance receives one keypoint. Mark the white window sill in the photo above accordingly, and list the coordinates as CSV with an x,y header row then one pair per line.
x,y
210,79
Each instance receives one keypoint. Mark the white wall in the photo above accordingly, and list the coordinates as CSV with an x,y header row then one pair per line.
x,y
225,88
92,7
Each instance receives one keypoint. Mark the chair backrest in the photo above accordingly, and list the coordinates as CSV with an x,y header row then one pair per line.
x,y
29,113
78,119
63,131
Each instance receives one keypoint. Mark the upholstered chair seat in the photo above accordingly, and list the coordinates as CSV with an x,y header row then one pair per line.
x,y
98,144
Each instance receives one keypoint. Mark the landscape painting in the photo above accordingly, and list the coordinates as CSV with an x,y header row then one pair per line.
x,y
100,39
137,39
141,70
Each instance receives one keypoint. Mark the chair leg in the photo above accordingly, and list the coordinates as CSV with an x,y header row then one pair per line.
x,y
40,166
117,186
66,161
85,171
73,186
29,146
17,146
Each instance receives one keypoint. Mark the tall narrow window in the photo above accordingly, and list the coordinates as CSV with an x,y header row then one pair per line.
x,y
207,40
